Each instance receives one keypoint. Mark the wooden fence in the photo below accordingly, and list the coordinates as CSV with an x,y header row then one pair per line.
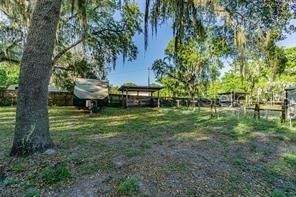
x,y
60,99
117,100
265,109
8,98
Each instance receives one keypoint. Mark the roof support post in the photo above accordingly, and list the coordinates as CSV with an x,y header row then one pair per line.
x,y
126,98
158,100
122,100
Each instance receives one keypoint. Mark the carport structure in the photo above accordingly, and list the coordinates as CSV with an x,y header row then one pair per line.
x,y
140,96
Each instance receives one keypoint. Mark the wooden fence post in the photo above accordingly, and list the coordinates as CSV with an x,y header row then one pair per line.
x,y
158,100
122,99
257,111
245,110
284,110
178,103
126,98
212,106
215,107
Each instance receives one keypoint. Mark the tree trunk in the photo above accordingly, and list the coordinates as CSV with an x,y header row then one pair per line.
x,y
32,125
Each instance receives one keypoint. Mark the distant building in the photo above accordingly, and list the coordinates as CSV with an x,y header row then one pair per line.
x,y
231,98
51,88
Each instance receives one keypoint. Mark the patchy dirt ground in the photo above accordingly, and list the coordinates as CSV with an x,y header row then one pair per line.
x,y
153,152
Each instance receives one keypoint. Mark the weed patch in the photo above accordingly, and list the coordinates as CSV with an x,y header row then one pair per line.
x,y
89,168
56,174
133,153
128,186
238,162
290,160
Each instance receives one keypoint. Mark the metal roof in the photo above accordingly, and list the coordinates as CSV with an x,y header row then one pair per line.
x,y
290,89
140,88
226,93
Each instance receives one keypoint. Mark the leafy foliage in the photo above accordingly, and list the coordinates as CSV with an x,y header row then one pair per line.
x,y
189,17
9,75
258,78
72,66
291,64
130,84
96,31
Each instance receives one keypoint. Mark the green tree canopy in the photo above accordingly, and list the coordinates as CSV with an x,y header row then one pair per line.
x,y
194,64
99,31
291,64
130,84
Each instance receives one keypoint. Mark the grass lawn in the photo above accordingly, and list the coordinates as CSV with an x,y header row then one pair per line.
x,y
153,152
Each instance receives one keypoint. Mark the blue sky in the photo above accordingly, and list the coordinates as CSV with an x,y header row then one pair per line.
x,y
290,41
137,70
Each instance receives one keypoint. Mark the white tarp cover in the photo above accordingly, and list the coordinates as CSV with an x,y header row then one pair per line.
x,y
91,89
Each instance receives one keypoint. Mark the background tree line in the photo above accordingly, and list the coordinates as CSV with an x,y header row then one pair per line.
x,y
257,78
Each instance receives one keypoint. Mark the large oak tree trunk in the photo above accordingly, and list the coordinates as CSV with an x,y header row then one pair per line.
x,y
32,124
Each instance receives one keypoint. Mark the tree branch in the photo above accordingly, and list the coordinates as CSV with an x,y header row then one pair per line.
x,y
61,53
8,59
6,13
